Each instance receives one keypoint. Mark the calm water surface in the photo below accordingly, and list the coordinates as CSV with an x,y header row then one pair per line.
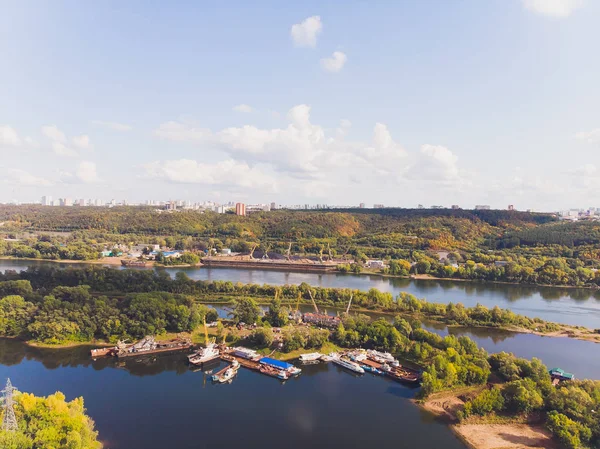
x,y
562,305
158,403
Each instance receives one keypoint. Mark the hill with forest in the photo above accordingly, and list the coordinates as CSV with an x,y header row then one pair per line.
x,y
485,245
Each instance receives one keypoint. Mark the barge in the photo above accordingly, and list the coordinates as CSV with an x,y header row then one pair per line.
x,y
134,263
260,264
146,346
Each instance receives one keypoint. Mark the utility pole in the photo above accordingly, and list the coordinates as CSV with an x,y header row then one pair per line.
x,y
9,421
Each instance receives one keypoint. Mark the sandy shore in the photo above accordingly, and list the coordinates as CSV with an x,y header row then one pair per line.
x,y
505,436
476,435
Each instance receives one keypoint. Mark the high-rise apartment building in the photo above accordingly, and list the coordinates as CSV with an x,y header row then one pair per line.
x,y
240,209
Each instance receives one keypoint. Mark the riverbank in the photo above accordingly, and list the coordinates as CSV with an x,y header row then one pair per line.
x,y
103,261
478,434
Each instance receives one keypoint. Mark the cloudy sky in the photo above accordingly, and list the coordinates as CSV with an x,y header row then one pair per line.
x,y
437,102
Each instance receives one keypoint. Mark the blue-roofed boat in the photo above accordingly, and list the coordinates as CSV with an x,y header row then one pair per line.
x,y
287,368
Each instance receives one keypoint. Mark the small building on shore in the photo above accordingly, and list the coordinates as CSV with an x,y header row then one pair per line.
x,y
321,319
558,375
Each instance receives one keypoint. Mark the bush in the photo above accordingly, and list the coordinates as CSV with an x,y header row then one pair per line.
x,y
571,433
488,401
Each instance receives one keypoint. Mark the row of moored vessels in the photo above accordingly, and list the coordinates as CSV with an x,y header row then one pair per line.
x,y
382,363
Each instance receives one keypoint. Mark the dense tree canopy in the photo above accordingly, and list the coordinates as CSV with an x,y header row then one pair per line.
x,y
50,422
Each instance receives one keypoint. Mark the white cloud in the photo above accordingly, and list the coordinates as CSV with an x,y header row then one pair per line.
x,y
335,63
385,150
553,8
60,144
86,172
54,134
592,136
113,125
23,178
62,150
302,148
225,173
9,136
182,132
243,108
304,34
437,164
82,142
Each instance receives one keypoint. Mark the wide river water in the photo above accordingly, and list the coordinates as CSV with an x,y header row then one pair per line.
x,y
158,402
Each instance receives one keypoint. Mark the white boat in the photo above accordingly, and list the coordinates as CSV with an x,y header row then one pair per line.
x,y
246,353
228,374
203,355
310,357
385,356
294,371
326,358
348,364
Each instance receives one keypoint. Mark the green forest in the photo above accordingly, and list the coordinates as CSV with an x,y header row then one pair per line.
x,y
50,422
482,245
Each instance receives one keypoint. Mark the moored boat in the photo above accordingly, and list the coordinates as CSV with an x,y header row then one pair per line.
x,y
372,370
134,263
348,364
203,355
310,357
274,372
227,373
149,345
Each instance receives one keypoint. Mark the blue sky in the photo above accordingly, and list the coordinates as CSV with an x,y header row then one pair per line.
x,y
435,102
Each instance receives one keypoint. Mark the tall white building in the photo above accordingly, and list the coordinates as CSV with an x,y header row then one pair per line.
x,y
46,201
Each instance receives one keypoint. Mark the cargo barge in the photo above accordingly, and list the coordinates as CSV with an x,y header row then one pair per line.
x,y
134,263
260,264
146,346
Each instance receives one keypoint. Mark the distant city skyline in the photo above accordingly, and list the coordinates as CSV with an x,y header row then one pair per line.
x,y
240,208
395,103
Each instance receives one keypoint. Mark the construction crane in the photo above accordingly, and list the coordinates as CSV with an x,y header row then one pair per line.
x,y
313,301
349,302
254,246
298,302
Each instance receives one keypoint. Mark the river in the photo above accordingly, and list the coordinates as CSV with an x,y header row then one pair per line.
x,y
158,403
562,305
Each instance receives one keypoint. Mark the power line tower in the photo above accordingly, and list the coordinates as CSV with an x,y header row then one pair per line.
x,y
9,421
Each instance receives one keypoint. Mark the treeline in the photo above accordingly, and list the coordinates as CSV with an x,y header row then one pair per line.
x,y
570,407
108,280
50,422
72,314
565,234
